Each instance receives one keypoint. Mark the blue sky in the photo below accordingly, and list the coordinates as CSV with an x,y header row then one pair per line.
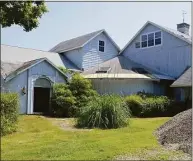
x,y
66,20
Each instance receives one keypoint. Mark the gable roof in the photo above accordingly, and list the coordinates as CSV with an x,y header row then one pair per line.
x,y
185,80
175,33
11,70
122,67
19,55
79,42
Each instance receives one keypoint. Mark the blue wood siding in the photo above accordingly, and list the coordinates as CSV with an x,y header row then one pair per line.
x,y
26,79
15,85
89,56
172,57
75,56
46,69
126,86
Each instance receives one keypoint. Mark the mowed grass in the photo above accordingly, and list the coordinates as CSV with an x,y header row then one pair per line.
x,y
39,139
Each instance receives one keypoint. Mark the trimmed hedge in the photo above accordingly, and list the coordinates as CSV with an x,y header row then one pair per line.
x,y
149,105
9,112
62,101
107,111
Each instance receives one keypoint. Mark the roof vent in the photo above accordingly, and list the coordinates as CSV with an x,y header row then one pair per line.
x,y
103,70
183,28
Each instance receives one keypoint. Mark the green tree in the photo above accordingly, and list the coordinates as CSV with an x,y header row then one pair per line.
x,y
22,13
81,89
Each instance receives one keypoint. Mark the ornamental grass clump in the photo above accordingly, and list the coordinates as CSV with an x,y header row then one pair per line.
x,y
106,112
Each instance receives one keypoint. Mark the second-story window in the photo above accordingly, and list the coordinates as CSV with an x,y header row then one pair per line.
x,y
101,46
144,41
158,38
150,39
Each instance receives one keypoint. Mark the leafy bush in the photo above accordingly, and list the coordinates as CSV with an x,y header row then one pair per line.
x,y
107,111
135,103
81,89
149,105
156,106
9,112
62,101
65,70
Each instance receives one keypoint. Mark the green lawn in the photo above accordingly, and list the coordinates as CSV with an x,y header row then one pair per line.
x,y
39,139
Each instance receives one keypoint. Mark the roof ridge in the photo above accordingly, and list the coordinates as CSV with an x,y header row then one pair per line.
x,y
83,35
29,48
98,31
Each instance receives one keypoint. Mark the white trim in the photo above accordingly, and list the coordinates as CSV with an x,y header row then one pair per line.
x,y
160,27
62,51
179,86
106,35
31,93
154,40
42,59
101,46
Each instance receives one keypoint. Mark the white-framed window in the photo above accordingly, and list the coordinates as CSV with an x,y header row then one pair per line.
x,y
144,41
101,46
158,39
149,40
137,45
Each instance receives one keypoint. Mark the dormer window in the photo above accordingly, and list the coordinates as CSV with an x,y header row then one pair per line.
x,y
158,38
149,40
101,46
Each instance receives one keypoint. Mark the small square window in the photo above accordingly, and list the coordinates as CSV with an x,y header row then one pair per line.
x,y
158,35
144,44
101,43
101,48
144,37
137,45
158,41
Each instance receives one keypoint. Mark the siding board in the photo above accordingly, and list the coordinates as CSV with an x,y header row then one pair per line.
x,y
172,57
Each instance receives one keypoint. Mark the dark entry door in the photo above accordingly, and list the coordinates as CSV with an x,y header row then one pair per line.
x,y
41,99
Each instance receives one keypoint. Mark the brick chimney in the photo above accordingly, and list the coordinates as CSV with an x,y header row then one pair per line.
x,y
183,28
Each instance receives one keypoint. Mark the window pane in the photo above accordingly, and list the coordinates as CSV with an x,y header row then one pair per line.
x,y
144,37
101,43
101,48
150,36
158,34
137,45
150,42
144,44
157,41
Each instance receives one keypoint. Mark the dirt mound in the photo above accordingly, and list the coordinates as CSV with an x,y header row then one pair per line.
x,y
178,130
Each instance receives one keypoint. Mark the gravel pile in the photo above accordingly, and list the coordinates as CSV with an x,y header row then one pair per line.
x,y
178,131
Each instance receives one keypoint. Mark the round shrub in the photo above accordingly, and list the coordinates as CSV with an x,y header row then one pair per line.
x,y
81,89
107,111
62,101
135,103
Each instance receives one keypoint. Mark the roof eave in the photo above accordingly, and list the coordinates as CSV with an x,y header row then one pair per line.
x,y
158,26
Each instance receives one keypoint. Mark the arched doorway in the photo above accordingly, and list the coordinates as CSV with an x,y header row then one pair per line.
x,y
42,89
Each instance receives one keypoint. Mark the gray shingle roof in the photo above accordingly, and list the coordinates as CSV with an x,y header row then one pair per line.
x,y
18,55
74,43
122,65
180,34
185,80
8,69
175,33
